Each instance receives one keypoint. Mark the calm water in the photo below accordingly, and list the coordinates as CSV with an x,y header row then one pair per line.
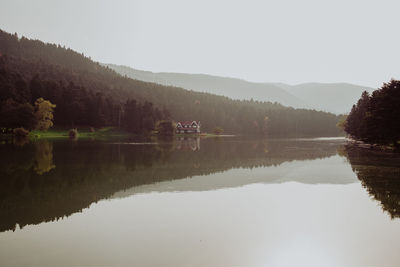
x,y
208,202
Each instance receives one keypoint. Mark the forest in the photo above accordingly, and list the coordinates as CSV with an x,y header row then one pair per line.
x,y
375,118
86,93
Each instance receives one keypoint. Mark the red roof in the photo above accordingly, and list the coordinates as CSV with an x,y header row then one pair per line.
x,y
187,122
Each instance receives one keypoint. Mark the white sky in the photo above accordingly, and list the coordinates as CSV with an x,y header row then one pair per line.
x,y
290,41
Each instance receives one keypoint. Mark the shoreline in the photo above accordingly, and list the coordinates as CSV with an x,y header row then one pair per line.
x,y
372,147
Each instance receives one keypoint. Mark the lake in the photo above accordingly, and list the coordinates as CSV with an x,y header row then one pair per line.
x,y
198,202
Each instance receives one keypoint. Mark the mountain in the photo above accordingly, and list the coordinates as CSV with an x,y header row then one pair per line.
x,y
89,94
230,87
331,97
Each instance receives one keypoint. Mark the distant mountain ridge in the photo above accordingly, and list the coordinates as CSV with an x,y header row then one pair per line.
x,y
332,97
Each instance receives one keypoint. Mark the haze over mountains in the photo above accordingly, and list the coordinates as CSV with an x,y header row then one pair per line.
x,y
332,97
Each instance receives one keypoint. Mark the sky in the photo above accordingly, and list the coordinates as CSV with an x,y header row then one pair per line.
x,y
289,41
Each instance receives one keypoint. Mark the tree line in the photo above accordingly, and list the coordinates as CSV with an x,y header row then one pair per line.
x,y
87,93
30,105
375,118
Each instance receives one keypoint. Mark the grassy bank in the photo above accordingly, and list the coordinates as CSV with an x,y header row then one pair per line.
x,y
82,133
377,147
105,132
203,135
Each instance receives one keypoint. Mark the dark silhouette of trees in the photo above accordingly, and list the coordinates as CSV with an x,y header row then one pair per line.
x,y
140,118
165,128
354,125
14,115
374,119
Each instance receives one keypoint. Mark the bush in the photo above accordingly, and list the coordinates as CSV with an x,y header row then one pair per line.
x,y
73,133
218,130
20,132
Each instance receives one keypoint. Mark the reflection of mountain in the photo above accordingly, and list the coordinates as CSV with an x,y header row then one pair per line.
x,y
379,173
69,176
327,170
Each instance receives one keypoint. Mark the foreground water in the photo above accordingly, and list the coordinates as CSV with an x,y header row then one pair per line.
x,y
208,202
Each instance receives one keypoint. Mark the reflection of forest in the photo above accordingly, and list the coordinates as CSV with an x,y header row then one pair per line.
x,y
43,181
379,173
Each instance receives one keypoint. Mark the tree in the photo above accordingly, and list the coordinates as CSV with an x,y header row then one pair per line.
x,y
14,115
147,117
131,116
374,119
355,122
342,124
264,125
25,116
383,115
44,114
165,128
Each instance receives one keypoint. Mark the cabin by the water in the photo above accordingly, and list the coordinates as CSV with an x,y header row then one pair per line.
x,y
188,127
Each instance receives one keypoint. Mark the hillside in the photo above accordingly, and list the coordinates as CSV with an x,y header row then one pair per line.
x,y
331,97
230,87
87,93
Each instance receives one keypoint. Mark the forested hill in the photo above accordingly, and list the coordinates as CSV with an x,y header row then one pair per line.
x,y
30,69
332,97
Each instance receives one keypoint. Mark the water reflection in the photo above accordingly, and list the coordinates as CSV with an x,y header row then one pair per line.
x,y
188,143
47,180
43,157
379,173
20,140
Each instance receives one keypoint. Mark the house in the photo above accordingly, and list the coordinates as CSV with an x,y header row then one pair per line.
x,y
188,127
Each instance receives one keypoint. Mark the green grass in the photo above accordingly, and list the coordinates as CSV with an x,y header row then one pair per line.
x,y
49,133
104,132
83,133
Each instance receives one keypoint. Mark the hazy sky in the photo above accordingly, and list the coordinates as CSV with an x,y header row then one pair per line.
x,y
291,41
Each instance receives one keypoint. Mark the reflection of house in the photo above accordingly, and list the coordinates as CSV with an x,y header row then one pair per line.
x,y
187,144
188,127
